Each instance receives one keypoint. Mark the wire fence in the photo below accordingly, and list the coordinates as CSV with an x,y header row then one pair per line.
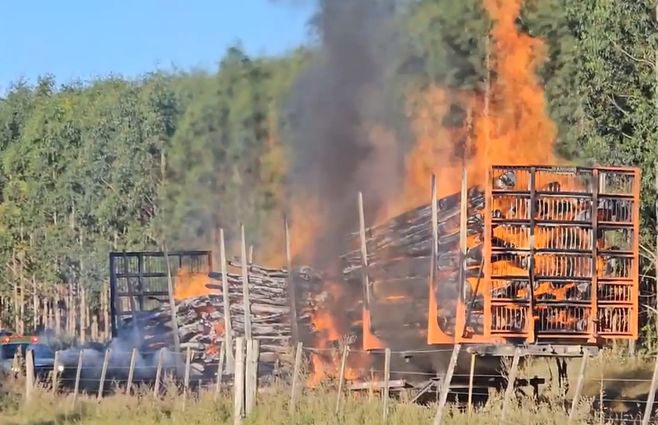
x,y
611,399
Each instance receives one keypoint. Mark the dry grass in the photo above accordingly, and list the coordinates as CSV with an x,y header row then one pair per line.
x,y
626,379
315,407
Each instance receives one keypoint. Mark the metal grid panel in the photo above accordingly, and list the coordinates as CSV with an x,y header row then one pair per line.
x,y
138,280
554,234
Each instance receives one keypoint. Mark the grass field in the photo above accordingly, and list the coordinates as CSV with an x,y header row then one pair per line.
x,y
313,408
626,381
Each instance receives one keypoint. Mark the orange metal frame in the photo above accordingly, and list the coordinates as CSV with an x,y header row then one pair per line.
x,y
596,308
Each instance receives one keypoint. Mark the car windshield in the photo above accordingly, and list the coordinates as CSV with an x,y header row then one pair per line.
x,y
7,351
42,351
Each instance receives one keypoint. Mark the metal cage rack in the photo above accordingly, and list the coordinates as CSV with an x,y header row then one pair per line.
x,y
139,281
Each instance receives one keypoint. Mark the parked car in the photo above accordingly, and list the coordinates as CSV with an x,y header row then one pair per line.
x,y
44,356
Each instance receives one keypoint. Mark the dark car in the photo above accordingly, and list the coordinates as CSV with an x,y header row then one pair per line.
x,y
11,347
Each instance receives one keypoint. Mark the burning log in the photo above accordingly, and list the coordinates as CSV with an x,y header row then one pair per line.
x,y
201,318
399,254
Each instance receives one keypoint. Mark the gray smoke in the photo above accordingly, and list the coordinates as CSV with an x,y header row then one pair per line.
x,y
345,92
118,367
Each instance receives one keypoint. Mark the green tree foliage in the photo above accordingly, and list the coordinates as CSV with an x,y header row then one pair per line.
x,y
125,164
121,164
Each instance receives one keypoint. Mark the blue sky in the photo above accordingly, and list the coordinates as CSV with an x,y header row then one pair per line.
x,y
84,39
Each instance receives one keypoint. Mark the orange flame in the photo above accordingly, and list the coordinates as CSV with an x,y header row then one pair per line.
x,y
191,284
507,124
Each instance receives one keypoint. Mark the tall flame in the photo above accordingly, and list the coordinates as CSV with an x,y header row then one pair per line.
x,y
505,124
508,124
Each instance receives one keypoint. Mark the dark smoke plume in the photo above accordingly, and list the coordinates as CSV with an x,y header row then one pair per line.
x,y
344,93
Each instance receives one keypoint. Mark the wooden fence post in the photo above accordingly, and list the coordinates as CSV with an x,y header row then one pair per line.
x,y
158,374
510,382
445,385
251,374
471,376
131,371
387,378
652,395
292,297
341,378
78,374
601,408
579,386
246,300
238,381
228,330
188,365
295,377
101,382
56,372
29,375
220,371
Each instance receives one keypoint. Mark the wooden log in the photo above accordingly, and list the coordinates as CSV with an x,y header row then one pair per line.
x,y
228,332
170,292
295,378
55,374
510,383
101,381
186,379
158,374
291,285
238,382
245,287
131,371
341,379
470,384
251,375
78,373
445,384
387,378
651,396
579,387
29,376
220,371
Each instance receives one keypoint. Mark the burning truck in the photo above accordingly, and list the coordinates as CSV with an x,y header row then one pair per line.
x,y
540,258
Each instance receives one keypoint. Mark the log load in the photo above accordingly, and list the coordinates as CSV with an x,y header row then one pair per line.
x,y
399,252
201,318
399,256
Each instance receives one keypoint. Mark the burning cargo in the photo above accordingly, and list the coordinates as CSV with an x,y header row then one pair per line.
x,y
538,256
142,313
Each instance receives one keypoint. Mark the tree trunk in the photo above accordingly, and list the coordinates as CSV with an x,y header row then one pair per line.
x,y
45,320
94,328
104,313
16,301
70,312
35,305
83,308
57,312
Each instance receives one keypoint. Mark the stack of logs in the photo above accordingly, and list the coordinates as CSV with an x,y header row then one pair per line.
x,y
201,318
398,255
